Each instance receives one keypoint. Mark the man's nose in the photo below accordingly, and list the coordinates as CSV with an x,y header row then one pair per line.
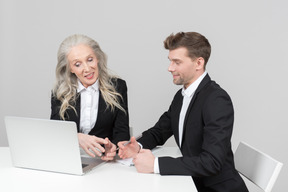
x,y
171,67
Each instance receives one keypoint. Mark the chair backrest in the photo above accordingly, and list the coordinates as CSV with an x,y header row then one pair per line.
x,y
257,166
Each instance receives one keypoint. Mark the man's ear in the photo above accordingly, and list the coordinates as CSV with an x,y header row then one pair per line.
x,y
200,63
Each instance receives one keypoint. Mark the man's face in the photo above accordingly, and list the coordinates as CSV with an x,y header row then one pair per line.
x,y
184,70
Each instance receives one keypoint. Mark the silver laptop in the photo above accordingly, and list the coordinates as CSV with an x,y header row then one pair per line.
x,y
49,145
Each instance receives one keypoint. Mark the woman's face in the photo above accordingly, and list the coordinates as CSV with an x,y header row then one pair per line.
x,y
84,64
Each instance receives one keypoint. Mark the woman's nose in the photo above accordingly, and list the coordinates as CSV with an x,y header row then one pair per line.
x,y
86,67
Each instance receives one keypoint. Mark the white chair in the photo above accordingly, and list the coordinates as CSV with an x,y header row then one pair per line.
x,y
257,166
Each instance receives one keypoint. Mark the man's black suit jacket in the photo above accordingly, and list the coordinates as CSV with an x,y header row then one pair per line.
x,y
206,145
114,125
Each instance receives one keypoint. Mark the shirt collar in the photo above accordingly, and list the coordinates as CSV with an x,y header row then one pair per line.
x,y
94,87
192,88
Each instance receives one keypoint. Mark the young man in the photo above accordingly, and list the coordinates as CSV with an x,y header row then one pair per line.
x,y
201,119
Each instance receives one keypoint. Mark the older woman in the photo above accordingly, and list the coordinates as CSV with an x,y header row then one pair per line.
x,y
86,93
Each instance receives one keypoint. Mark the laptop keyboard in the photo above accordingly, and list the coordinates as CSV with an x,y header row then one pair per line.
x,y
84,165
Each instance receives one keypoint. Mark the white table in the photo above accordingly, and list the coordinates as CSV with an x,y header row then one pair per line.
x,y
111,176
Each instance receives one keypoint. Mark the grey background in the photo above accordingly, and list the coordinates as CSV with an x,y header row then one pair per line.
x,y
249,58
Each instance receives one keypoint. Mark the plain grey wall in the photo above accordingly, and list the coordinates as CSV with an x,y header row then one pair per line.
x,y
249,58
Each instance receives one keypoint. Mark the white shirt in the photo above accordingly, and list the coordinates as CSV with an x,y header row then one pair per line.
x,y
187,96
89,106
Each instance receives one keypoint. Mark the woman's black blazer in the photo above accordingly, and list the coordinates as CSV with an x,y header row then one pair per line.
x,y
111,124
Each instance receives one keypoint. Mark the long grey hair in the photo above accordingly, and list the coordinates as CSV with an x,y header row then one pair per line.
x,y
65,88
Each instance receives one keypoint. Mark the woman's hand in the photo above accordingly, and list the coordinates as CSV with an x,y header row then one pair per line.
x,y
110,151
92,144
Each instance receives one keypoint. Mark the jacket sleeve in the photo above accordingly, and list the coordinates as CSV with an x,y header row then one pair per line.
x,y
158,134
162,130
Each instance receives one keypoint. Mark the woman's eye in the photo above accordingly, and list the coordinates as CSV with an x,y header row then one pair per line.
x,y
90,59
77,64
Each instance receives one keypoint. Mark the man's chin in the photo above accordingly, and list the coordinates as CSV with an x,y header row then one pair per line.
x,y
177,83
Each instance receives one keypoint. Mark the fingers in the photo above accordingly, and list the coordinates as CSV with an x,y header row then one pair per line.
x,y
94,150
121,151
144,161
128,149
109,156
133,140
144,151
98,150
121,144
113,148
108,144
92,144
100,140
110,151
88,152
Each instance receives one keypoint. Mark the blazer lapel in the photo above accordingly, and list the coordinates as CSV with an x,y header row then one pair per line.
x,y
176,113
203,83
78,109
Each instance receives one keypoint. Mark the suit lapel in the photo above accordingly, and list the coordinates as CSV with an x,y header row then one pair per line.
x,y
178,106
203,83
101,105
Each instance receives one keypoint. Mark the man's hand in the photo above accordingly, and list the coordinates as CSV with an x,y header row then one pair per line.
x,y
130,150
144,161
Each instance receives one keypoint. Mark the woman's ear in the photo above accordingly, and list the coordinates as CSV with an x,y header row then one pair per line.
x,y
71,69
